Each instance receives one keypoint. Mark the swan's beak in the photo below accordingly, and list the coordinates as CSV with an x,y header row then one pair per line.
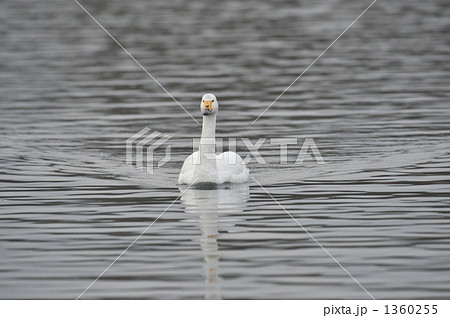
x,y
207,107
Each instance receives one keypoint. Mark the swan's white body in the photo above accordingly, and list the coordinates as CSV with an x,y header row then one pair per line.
x,y
223,172
205,165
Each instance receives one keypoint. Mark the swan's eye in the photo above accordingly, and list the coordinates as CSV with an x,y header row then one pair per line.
x,y
213,100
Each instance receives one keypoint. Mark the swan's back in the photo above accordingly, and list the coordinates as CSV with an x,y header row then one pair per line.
x,y
231,168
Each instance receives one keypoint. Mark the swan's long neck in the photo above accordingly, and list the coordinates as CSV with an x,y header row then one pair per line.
x,y
208,139
206,169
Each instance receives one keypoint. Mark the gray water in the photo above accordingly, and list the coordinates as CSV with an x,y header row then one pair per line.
x,y
376,104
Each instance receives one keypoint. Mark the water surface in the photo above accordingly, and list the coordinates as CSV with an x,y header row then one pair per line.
x,y
376,104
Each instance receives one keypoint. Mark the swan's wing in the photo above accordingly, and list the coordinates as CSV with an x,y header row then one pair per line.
x,y
187,171
231,168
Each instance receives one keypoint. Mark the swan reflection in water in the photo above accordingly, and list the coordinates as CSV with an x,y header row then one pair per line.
x,y
213,204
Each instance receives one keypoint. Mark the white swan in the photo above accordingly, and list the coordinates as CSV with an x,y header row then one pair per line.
x,y
204,166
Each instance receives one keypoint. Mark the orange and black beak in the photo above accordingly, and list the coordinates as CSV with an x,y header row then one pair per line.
x,y
207,107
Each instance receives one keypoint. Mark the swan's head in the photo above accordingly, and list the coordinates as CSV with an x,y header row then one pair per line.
x,y
209,105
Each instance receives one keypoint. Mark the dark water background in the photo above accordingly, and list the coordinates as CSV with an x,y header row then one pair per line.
x,y
376,104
